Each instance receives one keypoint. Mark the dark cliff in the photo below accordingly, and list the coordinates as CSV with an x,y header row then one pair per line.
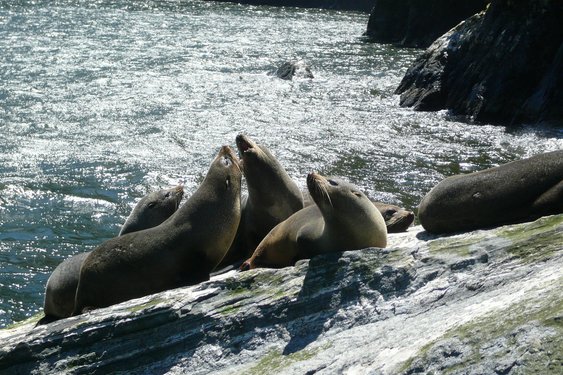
x,y
416,23
504,65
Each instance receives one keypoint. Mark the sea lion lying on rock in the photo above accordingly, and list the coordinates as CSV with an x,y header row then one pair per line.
x,y
60,291
519,191
342,218
181,251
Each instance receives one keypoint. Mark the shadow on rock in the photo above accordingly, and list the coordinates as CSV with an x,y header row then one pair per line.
x,y
333,283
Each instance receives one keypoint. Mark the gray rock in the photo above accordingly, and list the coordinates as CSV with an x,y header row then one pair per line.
x,y
483,302
289,70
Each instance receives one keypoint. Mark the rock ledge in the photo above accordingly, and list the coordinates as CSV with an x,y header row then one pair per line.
x,y
479,302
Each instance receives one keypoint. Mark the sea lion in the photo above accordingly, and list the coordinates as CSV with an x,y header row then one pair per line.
x,y
272,197
397,219
343,218
181,251
153,209
150,211
518,191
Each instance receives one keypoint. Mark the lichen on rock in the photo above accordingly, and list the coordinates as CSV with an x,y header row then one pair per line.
x,y
476,302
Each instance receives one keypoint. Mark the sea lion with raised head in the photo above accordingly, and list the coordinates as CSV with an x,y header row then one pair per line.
x,y
181,251
60,291
343,218
397,219
272,197
518,191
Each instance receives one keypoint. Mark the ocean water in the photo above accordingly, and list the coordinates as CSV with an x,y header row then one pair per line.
x,y
104,101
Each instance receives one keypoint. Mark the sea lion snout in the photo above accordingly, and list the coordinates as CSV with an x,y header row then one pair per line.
x,y
244,144
228,157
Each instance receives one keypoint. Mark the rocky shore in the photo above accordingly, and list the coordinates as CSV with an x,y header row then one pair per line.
x,y
503,65
487,301
413,23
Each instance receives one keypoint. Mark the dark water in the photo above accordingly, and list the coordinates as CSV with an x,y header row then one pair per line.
x,y
101,102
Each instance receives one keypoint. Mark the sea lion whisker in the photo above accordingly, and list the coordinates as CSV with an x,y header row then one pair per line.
x,y
327,196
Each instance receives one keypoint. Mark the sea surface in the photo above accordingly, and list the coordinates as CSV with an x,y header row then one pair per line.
x,y
104,101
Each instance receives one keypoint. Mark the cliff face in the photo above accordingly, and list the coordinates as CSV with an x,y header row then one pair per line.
x,y
415,23
503,65
357,5
480,302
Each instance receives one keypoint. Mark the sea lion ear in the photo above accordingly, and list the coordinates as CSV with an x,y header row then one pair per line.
x,y
228,182
357,193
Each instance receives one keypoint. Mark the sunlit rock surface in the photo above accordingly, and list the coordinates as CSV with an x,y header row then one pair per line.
x,y
503,65
475,303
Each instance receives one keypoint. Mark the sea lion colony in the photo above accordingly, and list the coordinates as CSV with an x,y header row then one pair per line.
x,y
273,226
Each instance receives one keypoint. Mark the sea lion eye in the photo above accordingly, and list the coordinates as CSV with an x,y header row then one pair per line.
x,y
151,204
389,213
333,183
167,195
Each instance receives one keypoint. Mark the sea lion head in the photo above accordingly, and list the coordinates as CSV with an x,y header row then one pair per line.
x,y
153,209
263,172
168,199
224,175
344,205
254,156
396,218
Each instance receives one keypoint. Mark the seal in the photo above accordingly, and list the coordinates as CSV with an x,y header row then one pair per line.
x,y
180,251
514,192
60,290
343,218
153,209
397,219
272,197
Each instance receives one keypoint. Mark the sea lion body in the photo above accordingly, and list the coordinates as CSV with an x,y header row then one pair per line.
x,y
343,218
518,191
272,197
181,251
60,291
